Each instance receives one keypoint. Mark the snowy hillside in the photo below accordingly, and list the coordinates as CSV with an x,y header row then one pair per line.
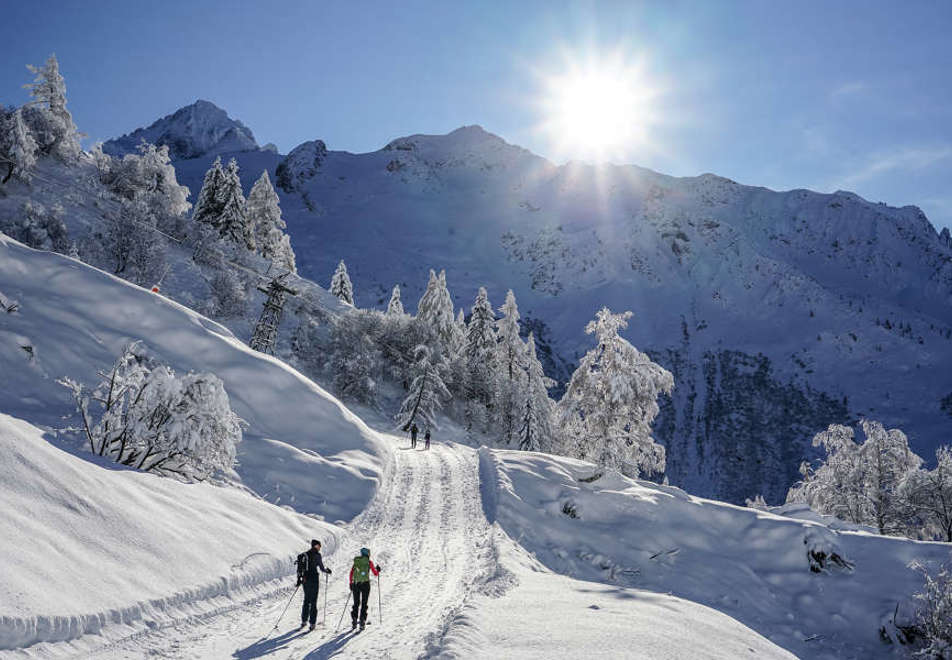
x,y
752,565
777,312
74,320
196,130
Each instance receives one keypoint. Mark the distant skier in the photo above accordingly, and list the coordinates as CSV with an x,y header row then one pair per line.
x,y
413,434
308,565
360,586
427,438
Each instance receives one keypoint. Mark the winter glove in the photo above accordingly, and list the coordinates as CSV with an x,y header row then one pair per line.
x,y
300,581
328,571
380,569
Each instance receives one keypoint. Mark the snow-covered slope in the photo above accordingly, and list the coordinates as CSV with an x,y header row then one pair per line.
x,y
752,565
87,545
196,130
302,447
777,312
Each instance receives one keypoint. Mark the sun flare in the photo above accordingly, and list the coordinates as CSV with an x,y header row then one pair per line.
x,y
597,108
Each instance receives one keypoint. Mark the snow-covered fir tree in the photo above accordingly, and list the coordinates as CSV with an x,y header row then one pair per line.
x,y
142,415
341,286
860,482
436,310
52,124
477,362
611,401
509,371
426,395
395,306
18,149
264,213
234,224
208,207
535,432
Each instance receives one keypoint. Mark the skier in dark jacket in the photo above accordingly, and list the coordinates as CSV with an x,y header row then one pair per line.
x,y
413,433
427,438
360,586
309,565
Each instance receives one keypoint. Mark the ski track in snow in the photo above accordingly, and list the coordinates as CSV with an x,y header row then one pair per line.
x,y
427,530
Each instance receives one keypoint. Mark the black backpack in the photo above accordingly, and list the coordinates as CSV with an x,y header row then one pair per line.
x,y
301,565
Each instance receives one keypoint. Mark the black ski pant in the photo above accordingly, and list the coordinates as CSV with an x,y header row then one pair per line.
x,y
312,586
361,592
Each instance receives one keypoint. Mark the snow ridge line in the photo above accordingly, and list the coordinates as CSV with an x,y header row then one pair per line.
x,y
20,633
489,482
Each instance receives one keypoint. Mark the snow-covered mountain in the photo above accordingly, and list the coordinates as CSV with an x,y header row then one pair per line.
x,y
196,130
777,312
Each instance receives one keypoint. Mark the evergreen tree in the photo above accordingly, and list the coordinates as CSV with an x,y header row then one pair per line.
x,y
207,208
510,370
427,392
395,307
476,360
48,90
264,214
341,286
234,225
17,146
611,401
536,434
436,310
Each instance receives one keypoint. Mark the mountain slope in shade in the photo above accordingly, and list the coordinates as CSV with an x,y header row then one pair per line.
x,y
196,130
778,312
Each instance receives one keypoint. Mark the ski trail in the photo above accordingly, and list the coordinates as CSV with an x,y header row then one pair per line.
x,y
427,530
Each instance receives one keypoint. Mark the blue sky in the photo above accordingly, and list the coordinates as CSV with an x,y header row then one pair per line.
x,y
821,95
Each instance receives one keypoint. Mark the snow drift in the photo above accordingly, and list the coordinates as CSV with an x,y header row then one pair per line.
x,y
813,590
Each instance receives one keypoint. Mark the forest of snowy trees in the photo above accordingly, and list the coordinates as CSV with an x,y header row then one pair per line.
x,y
878,481
479,371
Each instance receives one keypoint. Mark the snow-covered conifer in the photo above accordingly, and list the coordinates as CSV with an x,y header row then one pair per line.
x,y
395,306
341,286
234,223
510,370
477,360
153,420
611,401
427,392
436,310
17,146
535,433
207,207
48,90
264,213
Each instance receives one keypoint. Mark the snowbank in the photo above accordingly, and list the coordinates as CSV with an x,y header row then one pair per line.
x,y
751,565
85,545
302,448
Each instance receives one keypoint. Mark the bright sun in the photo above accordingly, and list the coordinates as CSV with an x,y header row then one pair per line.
x,y
598,108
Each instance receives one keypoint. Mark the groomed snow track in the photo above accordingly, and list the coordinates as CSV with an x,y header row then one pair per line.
x,y
426,528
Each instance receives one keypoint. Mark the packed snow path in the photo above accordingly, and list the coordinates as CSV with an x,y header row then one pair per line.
x,y
426,528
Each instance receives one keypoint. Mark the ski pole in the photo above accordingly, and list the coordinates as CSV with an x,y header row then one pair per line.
x,y
379,611
324,620
341,620
286,607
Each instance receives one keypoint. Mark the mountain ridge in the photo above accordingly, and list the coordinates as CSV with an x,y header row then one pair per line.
x,y
778,311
